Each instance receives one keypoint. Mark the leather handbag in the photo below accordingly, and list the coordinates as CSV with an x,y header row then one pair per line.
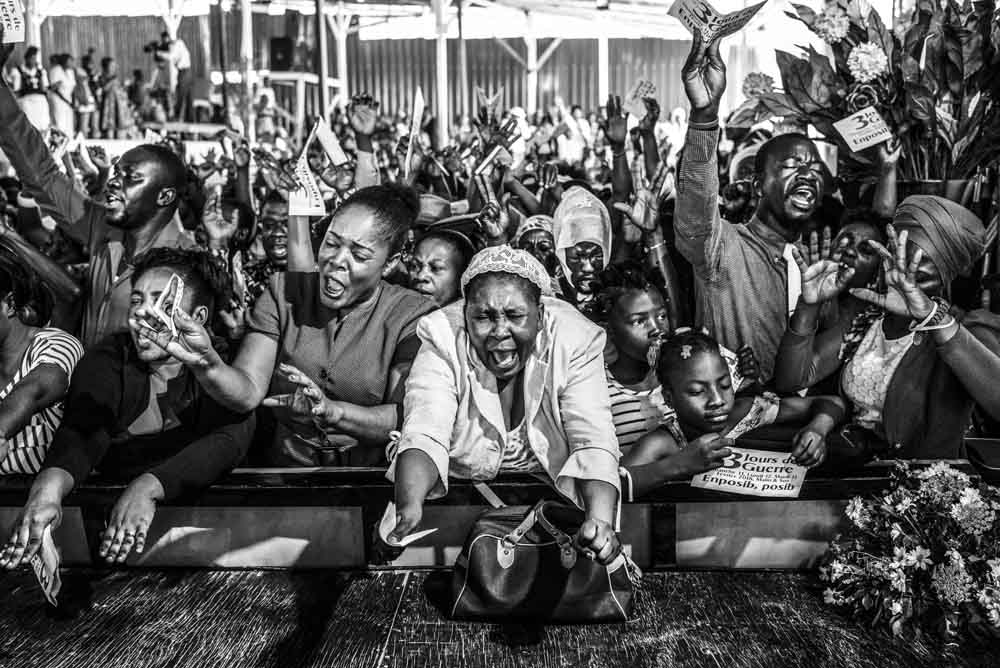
x,y
527,567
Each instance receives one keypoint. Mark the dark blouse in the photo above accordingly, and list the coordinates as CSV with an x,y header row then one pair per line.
x,y
348,355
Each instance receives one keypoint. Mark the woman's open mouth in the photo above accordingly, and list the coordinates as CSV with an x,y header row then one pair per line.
x,y
332,288
503,360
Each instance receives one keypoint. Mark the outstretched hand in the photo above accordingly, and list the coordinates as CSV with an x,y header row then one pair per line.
x,y
363,114
823,276
617,128
704,77
903,296
192,346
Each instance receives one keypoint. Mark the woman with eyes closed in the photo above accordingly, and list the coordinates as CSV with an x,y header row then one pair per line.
x,y
914,376
331,347
509,380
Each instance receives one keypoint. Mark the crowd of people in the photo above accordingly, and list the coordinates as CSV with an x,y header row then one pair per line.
x,y
90,97
533,297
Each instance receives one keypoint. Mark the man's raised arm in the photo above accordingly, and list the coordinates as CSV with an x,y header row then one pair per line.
x,y
698,227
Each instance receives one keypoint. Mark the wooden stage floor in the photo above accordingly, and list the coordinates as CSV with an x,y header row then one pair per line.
x,y
223,619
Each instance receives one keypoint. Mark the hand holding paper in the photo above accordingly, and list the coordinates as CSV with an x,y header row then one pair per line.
x,y
701,18
387,527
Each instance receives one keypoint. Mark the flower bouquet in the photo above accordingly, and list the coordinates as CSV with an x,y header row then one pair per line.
x,y
936,84
923,559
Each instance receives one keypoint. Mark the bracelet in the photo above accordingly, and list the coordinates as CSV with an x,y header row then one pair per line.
x,y
615,156
714,125
655,246
939,318
626,476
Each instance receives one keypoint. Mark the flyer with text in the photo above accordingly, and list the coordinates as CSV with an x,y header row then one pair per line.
x,y
755,473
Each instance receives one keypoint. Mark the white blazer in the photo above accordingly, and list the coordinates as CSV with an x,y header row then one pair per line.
x,y
452,409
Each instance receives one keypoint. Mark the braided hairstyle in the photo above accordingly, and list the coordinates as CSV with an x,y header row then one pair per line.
x,y
620,278
681,347
24,291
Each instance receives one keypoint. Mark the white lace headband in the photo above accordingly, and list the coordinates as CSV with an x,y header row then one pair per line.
x,y
508,260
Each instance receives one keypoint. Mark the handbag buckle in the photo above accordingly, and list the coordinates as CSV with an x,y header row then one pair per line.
x,y
567,555
505,553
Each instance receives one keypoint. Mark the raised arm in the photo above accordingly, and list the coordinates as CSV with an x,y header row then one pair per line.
x,y
363,113
698,226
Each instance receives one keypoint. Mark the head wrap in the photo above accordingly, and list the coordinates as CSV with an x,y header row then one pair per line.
x,y
507,260
581,217
537,222
951,235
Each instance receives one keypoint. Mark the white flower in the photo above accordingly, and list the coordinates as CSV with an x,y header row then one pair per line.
x,y
832,24
897,579
951,583
836,570
857,512
867,62
830,597
972,514
897,608
919,558
994,565
904,504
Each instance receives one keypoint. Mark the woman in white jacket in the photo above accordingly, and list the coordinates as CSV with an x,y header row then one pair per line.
x,y
509,379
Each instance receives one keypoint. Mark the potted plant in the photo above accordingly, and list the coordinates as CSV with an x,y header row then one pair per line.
x,y
936,82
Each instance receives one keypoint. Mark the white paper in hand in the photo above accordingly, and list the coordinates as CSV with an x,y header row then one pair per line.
x,y
634,103
388,525
45,563
168,304
863,129
330,143
415,122
699,16
307,200
12,19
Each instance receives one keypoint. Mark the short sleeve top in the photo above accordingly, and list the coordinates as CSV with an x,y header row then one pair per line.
x,y
348,355
28,446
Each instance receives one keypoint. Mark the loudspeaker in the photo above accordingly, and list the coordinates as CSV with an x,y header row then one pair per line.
x,y
282,54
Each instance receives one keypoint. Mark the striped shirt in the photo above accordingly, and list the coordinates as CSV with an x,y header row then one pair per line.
x,y
28,446
635,412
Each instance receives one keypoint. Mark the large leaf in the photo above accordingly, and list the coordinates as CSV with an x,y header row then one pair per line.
x,y
825,83
747,114
796,78
877,34
780,104
803,13
920,101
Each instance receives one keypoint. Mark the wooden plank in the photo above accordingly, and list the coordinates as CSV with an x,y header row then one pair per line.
x,y
200,618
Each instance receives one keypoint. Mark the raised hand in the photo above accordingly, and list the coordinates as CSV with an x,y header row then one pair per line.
x,y
617,128
241,155
903,295
363,114
823,277
548,176
652,117
889,152
704,77
192,346
645,210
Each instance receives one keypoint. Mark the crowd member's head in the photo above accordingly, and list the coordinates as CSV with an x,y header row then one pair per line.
x,y
582,232
23,300
205,287
535,236
631,300
696,381
274,228
503,290
858,253
951,237
31,57
789,181
146,183
438,261
363,241
109,67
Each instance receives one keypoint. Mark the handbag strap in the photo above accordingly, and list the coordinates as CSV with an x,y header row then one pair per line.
x,y
515,536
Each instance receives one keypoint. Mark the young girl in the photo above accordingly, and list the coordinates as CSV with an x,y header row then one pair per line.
x,y
697,382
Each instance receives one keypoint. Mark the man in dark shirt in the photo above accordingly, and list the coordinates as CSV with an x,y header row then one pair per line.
x,y
138,211
134,412
746,283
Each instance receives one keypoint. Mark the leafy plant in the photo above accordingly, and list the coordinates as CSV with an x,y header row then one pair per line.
x,y
923,559
936,83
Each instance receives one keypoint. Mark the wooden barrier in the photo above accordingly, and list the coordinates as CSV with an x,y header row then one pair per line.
x,y
325,518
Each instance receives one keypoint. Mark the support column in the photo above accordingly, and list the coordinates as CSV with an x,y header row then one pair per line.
x,y
603,85
531,64
341,25
322,66
34,15
246,58
441,72
463,64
